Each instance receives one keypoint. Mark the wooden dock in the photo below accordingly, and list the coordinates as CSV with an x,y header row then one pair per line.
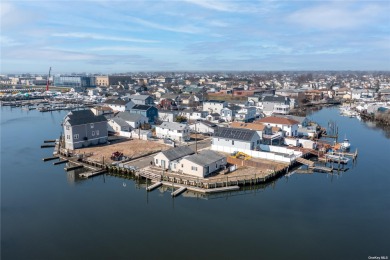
x,y
178,191
154,186
321,169
60,162
305,161
48,145
92,174
71,168
50,158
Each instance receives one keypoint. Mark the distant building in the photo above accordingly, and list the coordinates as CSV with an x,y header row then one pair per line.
x,y
74,81
119,104
101,81
149,111
82,128
142,99
214,106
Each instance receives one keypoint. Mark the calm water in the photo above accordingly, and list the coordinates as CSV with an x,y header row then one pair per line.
x,y
45,214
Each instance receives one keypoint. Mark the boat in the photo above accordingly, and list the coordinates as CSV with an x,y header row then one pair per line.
x,y
345,145
336,158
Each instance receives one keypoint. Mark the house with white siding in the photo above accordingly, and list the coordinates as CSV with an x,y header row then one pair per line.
x,y
246,114
117,125
119,104
134,120
203,127
165,158
200,164
174,131
288,126
214,106
229,139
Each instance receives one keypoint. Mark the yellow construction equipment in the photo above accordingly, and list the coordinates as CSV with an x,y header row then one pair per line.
x,y
241,155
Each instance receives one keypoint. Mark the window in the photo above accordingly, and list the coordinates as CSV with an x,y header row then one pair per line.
x,y
68,137
93,133
232,142
97,132
92,125
194,168
156,161
76,136
67,127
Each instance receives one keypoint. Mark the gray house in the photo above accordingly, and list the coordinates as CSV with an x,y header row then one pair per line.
x,y
149,111
142,99
134,120
82,128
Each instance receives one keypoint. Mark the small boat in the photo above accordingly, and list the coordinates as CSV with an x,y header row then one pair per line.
x,y
337,158
345,145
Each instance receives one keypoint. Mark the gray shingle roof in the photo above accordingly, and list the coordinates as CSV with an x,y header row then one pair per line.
x,y
141,107
139,97
173,125
116,102
120,121
274,99
81,117
234,133
178,152
130,117
205,157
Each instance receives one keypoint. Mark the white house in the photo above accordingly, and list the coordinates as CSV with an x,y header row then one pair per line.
x,y
167,115
200,164
164,159
227,139
288,126
191,114
134,120
174,131
117,125
204,127
214,106
246,114
227,114
119,104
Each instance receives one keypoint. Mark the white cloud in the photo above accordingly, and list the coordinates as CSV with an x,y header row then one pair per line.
x,y
334,16
6,41
101,37
182,29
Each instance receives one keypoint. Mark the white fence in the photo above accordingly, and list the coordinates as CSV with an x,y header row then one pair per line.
x,y
285,156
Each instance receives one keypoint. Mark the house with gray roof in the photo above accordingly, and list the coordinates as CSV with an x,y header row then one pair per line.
x,y
119,104
204,127
83,128
117,125
225,139
134,120
174,131
142,100
200,164
164,159
150,112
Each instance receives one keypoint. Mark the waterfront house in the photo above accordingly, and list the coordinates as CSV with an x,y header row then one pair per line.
x,y
235,139
142,100
200,164
149,111
204,127
82,128
174,131
288,126
119,104
134,120
275,104
163,159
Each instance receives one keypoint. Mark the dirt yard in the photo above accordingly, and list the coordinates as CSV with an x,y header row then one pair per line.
x,y
130,148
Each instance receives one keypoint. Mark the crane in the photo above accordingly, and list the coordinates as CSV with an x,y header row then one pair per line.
x,y
48,81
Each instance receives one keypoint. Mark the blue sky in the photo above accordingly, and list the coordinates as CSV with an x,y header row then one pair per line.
x,y
121,36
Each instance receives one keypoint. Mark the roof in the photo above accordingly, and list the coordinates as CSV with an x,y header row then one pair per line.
x,y
251,126
140,97
274,99
173,125
277,120
205,157
119,121
131,117
140,107
116,102
300,119
103,108
81,117
207,123
235,133
214,101
177,152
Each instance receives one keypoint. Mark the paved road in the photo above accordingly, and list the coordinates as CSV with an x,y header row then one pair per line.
x,y
145,161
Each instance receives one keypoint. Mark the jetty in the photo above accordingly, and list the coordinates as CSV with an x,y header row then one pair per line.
x,y
92,174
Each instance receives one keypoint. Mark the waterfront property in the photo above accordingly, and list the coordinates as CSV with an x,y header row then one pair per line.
x,y
164,159
288,126
82,128
226,139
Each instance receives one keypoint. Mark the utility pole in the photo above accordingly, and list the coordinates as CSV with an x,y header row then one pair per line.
x,y
196,138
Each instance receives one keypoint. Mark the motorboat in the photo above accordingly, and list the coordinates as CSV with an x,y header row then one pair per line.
x,y
336,158
345,145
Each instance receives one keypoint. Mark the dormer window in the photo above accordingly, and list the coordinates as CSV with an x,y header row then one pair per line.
x,y
92,125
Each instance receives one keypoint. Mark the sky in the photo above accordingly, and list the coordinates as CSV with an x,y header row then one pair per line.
x,y
120,36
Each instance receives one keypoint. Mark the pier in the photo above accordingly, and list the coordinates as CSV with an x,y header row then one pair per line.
x,y
50,158
154,186
92,174
71,168
178,191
